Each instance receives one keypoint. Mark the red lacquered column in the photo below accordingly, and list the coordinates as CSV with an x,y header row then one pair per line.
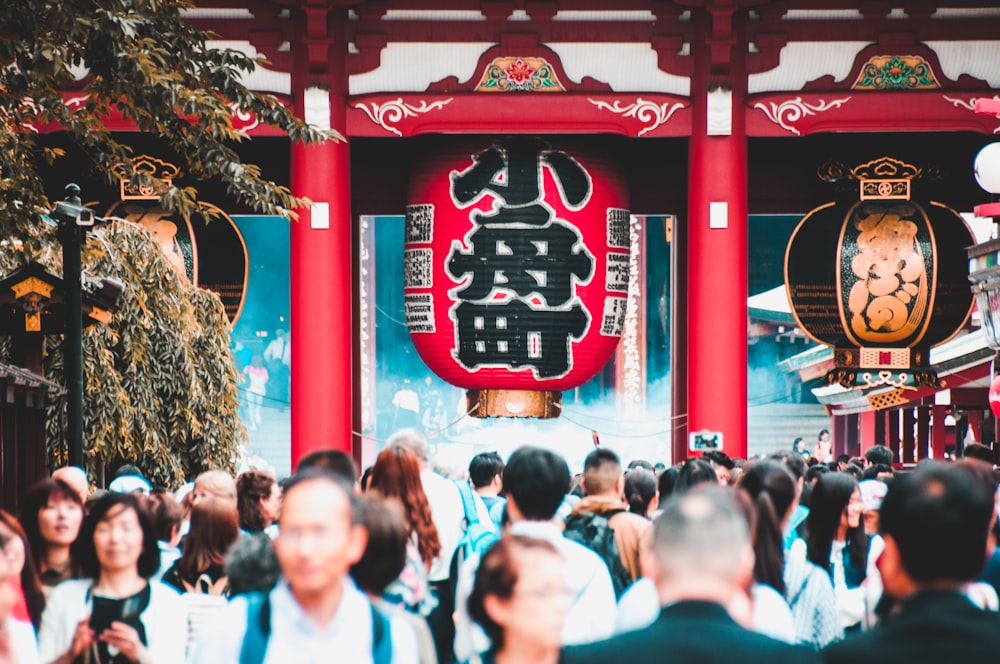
x,y
717,268
321,285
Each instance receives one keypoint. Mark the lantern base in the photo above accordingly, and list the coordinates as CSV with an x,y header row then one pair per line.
x,y
543,404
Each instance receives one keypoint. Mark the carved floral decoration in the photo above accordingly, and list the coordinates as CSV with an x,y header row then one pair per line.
x,y
519,74
896,72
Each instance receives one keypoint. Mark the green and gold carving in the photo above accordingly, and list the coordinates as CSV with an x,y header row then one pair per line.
x,y
896,72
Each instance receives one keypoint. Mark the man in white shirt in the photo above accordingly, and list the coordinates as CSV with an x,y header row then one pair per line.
x,y
279,350
449,519
278,360
536,481
315,612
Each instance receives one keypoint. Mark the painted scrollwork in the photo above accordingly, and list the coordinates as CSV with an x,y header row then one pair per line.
x,y
791,111
644,110
970,105
388,114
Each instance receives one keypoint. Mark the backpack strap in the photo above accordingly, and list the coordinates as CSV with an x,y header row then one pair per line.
x,y
468,502
258,628
381,636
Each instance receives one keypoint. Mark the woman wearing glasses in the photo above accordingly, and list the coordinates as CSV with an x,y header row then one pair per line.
x,y
520,600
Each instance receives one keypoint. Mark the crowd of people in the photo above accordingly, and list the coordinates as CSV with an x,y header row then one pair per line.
x,y
785,558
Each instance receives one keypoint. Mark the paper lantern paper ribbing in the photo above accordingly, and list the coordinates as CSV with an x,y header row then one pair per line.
x,y
516,270
881,279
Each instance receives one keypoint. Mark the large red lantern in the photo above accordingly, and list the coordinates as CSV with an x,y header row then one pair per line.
x,y
516,269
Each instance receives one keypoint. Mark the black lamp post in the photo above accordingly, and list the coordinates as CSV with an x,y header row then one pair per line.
x,y
73,220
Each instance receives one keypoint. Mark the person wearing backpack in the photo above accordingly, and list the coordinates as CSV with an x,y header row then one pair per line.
x,y
448,512
198,574
601,519
315,612
536,482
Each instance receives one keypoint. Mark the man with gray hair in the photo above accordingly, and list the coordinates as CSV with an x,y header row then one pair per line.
x,y
703,562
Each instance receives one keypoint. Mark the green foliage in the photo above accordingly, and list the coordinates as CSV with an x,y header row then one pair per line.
x,y
141,61
160,383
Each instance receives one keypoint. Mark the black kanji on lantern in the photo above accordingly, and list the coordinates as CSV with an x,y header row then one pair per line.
x,y
532,260
516,335
519,307
512,172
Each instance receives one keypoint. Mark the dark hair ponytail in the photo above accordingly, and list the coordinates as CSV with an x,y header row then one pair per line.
x,y
771,488
640,490
768,566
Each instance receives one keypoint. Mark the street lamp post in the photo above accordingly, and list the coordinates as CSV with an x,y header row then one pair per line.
x,y
73,220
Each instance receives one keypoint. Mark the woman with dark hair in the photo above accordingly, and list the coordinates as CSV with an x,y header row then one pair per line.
x,y
114,614
167,515
806,588
51,515
29,594
383,561
520,600
258,500
640,492
666,482
692,473
799,447
837,543
200,568
199,573
396,475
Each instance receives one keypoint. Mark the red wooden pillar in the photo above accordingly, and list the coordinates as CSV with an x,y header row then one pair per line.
x,y
321,300
321,247
923,433
844,433
868,434
717,258
892,437
906,435
938,434
976,424
678,342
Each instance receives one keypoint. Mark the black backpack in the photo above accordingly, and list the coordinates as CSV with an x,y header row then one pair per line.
x,y
594,531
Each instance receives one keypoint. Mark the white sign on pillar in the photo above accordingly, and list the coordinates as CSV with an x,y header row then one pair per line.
x,y
718,214
319,216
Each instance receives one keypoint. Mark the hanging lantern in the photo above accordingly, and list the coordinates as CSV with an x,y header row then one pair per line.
x,y
516,270
210,254
994,396
882,277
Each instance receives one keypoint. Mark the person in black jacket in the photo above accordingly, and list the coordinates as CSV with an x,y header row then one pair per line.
x,y
935,523
704,569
